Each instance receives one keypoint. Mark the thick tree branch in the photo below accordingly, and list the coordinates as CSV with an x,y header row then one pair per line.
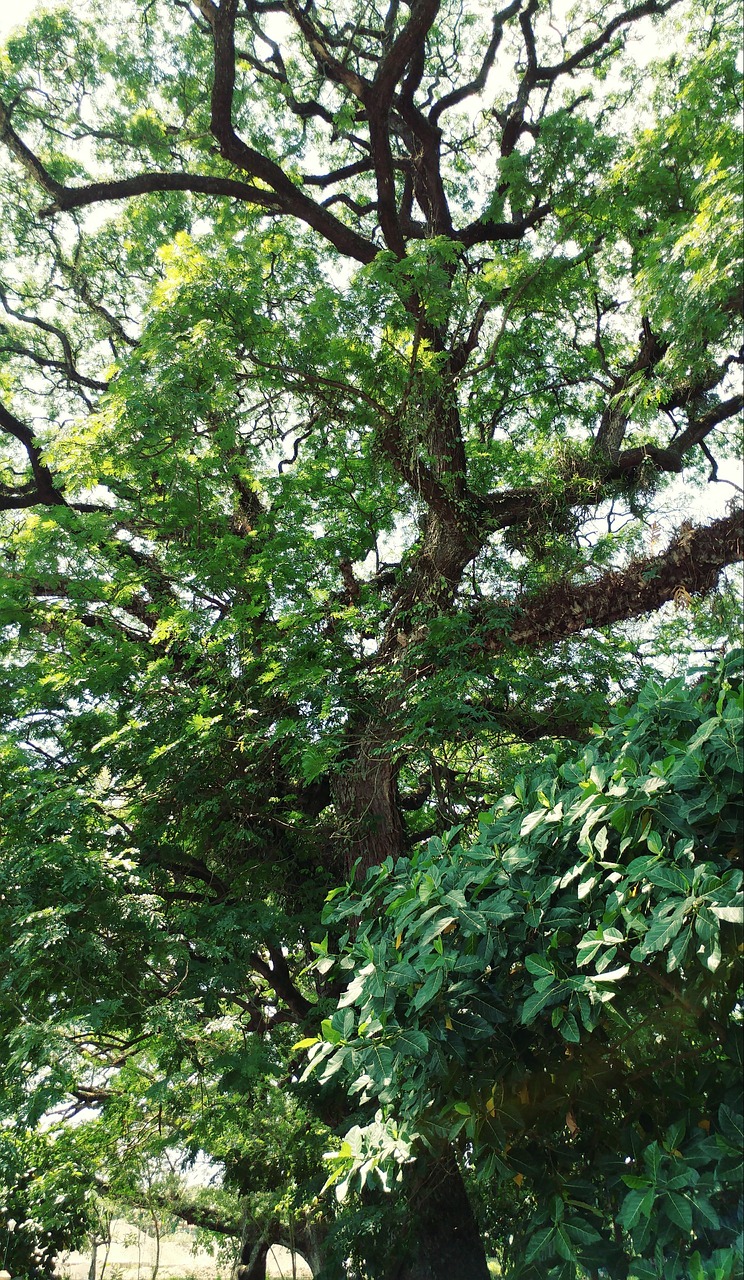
x,y
486,231
593,483
616,417
30,162
44,491
53,365
692,563
152,183
550,722
337,175
335,70
180,1204
279,195
278,977
403,48
288,198
406,50
67,364
671,458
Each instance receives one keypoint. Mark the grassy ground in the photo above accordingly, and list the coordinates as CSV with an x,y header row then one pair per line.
x,y
133,1253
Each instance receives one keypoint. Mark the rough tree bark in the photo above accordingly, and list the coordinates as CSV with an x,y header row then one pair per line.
x,y
365,795
444,1241
252,1265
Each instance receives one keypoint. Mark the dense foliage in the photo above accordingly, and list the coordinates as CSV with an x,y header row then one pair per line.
x,y
562,992
44,1201
362,372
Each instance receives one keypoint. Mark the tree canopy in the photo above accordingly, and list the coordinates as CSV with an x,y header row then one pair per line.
x,y
367,373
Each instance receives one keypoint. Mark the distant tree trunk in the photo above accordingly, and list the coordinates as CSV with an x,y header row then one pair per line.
x,y
311,1242
443,1242
93,1253
156,1226
107,1238
107,1251
252,1265
307,1241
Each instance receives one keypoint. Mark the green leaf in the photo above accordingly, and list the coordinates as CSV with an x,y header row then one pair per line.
x,y
588,948
329,1032
654,842
637,1205
412,1042
704,733
435,928
640,1270
731,1125
429,989
704,1209
678,1209
540,1000
564,1245
613,975
570,1029
732,915
539,1243
307,1043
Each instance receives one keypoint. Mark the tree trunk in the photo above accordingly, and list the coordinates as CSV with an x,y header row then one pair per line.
x,y
107,1250
313,1250
252,1264
156,1228
366,798
441,1240
444,1242
308,1241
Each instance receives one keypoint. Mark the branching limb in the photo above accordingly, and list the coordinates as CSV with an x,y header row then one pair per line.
x,y
66,365
593,484
651,8
277,975
287,198
693,563
43,490
180,1205
478,83
278,195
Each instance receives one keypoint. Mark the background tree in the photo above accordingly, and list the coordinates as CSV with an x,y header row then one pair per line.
x,y
351,357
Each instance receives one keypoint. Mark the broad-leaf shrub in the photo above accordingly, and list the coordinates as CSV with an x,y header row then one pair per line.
x,y
560,996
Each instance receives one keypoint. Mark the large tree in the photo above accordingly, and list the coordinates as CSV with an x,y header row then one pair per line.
x,y
352,361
